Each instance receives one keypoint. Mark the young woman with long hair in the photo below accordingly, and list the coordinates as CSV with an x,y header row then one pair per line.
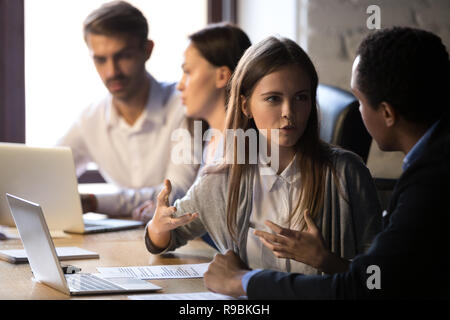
x,y
315,190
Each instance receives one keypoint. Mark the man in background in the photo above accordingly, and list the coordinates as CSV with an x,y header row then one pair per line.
x,y
128,132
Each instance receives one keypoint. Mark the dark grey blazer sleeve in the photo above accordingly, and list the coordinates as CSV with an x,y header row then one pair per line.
x,y
364,203
274,285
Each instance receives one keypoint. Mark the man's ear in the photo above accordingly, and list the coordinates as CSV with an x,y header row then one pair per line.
x,y
246,107
390,115
223,75
149,45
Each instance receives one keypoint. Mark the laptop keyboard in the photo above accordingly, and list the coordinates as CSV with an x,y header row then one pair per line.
x,y
88,282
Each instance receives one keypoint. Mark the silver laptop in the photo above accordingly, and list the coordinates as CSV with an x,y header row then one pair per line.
x,y
47,176
44,262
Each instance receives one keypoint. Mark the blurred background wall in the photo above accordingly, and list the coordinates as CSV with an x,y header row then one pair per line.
x,y
330,31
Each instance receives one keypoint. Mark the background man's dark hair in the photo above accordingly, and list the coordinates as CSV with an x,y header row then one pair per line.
x,y
117,18
408,68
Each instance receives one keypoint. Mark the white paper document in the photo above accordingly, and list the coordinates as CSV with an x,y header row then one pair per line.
x,y
184,296
179,271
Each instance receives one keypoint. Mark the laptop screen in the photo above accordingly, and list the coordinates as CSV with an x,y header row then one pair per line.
x,y
37,243
45,176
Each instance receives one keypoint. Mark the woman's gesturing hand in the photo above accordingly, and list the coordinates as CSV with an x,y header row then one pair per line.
x,y
304,246
164,219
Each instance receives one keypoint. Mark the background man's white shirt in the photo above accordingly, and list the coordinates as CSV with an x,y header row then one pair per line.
x,y
135,158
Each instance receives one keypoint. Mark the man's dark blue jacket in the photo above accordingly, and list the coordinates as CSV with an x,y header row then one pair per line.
x,y
412,252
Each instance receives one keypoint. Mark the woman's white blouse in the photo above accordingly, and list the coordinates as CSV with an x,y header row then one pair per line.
x,y
274,197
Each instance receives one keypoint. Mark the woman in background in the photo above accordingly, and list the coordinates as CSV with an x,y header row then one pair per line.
x,y
209,61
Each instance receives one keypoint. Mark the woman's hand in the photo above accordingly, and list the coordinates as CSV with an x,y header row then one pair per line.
x,y
304,246
164,219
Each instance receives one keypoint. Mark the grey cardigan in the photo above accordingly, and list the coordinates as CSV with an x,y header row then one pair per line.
x,y
348,226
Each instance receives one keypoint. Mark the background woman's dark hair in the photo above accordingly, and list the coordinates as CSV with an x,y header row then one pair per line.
x,y
117,18
222,44
408,68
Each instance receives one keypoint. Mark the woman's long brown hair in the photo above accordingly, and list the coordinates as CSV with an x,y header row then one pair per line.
x,y
313,155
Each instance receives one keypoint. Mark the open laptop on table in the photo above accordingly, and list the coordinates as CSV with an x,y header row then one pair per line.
x,y
47,176
44,262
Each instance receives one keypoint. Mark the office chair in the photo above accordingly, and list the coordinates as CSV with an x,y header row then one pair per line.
x,y
340,121
91,176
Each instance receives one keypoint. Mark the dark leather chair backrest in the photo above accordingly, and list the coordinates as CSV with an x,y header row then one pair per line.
x,y
340,120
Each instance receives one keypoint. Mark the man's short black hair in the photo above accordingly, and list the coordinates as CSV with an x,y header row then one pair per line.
x,y
117,18
407,68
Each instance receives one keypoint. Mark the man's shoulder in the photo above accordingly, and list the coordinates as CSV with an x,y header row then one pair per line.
x,y
434,162
170,99
95,111
169,93
94,114
428,178
172,109
169,87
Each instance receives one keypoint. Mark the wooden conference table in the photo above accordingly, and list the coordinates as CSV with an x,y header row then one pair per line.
x,y
121,248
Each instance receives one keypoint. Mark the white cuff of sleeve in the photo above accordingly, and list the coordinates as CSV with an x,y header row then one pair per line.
x,y
109,203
